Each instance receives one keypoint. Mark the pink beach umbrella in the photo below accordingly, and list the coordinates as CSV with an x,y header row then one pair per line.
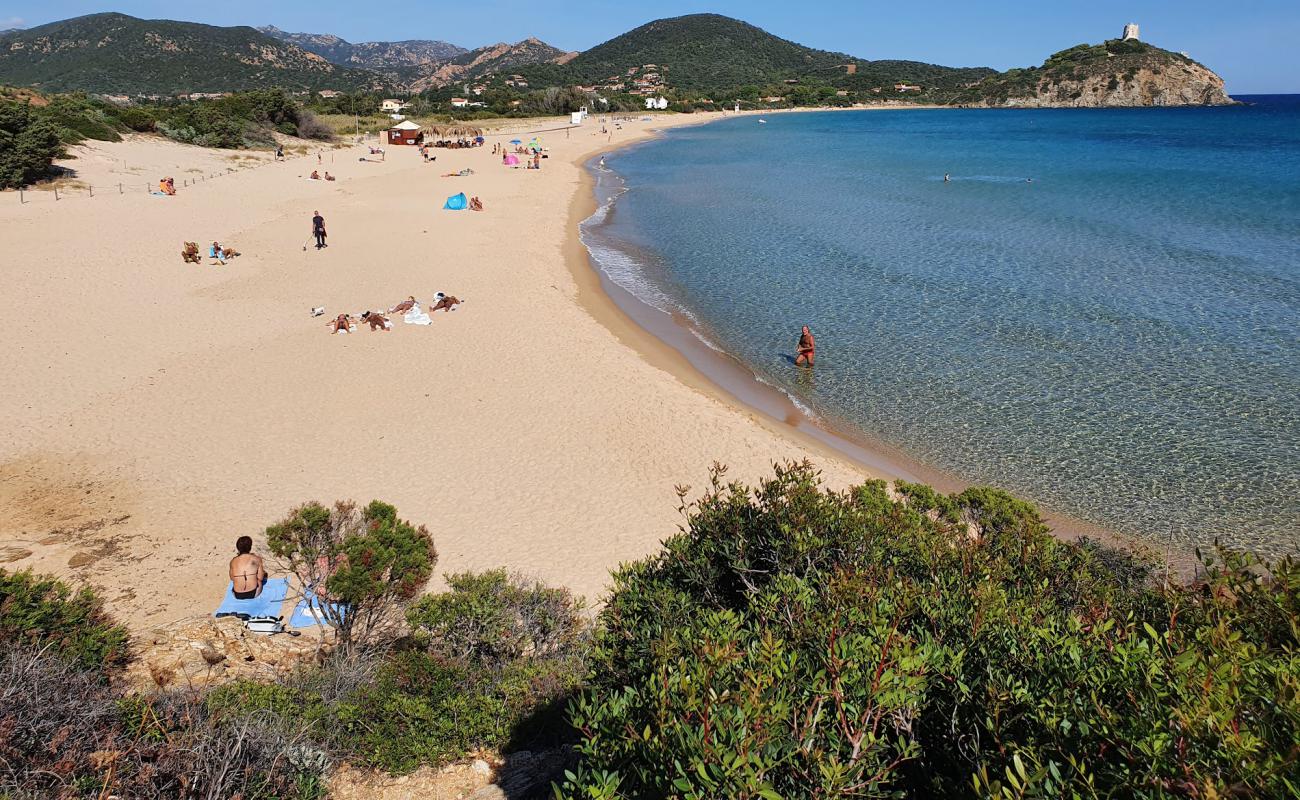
x,y
511,160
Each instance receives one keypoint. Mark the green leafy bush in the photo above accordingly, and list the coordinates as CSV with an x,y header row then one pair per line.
x,y
506,687
793,642
43,612
370,563
28,145
490,619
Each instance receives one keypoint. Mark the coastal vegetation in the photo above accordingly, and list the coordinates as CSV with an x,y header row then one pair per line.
x,y
789,642
793,642
35,128
1109,69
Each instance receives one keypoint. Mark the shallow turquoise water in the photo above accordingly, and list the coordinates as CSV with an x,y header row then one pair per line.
x,y
1116,340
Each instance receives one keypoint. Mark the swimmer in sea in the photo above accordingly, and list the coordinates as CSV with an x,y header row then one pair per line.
x,y
947,178
807,349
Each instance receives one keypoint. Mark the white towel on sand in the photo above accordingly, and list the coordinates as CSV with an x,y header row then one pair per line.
x,y
416,316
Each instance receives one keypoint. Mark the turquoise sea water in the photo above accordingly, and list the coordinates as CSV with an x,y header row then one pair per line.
x,y
1116,339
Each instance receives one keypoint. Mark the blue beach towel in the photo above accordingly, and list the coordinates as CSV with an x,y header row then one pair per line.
x,y
266,604
307,614
457,202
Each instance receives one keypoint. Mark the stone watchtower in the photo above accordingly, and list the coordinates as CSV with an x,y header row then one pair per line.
x,y
1131,31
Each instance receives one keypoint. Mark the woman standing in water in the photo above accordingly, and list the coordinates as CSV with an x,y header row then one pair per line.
x,y
807,349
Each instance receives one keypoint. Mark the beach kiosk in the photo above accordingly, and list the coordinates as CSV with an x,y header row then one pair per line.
x,y
405,132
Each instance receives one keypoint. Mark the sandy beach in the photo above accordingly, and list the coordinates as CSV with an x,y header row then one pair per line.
x,y
155,411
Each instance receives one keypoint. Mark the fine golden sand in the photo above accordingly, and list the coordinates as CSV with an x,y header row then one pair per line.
x,y
154,411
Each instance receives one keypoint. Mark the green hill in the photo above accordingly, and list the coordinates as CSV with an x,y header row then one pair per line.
x,y
1118,72
117,54
709,52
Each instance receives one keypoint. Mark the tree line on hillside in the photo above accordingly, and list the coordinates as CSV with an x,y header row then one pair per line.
x,y
788,642
34,131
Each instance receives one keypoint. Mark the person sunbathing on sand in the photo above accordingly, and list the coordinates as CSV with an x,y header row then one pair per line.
x,y
328,176
216,253
190,255
404,306
377,321
247,572
315,176
445,302
807,349
475,204
341,324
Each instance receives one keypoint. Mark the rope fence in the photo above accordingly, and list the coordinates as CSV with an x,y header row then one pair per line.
x,y
27,196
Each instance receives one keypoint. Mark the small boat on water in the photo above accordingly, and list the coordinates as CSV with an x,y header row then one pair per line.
x,y
762,121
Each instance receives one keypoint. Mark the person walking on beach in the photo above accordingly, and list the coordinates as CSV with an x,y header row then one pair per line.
x,y
807,349
318,230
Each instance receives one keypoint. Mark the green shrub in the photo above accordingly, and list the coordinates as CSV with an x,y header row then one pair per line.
x,y
490,619
28,145
793,642
398,709
370,563
43,612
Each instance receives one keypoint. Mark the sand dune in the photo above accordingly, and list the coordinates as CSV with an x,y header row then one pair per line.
x,y
154,411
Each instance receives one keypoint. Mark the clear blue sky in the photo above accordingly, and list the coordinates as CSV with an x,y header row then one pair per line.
x,y
1253,44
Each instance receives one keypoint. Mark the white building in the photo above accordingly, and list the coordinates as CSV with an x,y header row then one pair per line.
x,y
459,102
1131,31
656,103
392,106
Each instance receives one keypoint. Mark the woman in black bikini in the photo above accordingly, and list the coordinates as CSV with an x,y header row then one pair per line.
x,y
247,574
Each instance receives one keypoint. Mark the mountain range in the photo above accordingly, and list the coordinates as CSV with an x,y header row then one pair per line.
x,y
116,54
697,54
376,56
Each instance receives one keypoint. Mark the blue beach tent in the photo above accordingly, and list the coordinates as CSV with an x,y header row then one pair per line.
x,y
457,202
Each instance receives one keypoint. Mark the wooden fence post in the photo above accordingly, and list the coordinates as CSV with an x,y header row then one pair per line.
x,y
92,191
56,193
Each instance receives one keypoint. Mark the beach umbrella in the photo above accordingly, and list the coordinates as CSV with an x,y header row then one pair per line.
x,y
511,160
515,141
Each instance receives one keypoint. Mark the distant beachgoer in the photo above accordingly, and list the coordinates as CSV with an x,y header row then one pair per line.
x,y
318,230
217,253
475,204
247,572
404,306
807,349
167,186
947,178
279,152
340,324
602,162
318,157
328,176
1029,180
537,160
315,176
444,301
378,322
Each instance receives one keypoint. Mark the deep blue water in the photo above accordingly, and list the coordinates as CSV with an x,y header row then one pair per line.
x,y
1116,340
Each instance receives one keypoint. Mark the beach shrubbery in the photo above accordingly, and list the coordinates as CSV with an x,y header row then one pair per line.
x,y
66,732
793,642
366,560
28,145
33,135
491,666
42,613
